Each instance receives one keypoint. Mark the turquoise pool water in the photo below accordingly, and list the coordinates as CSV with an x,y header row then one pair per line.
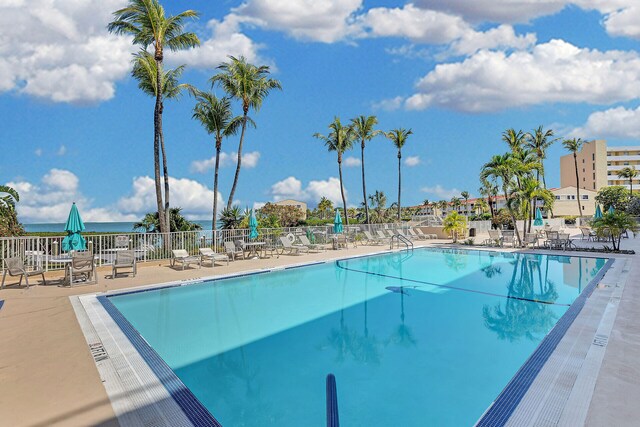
x,y
413,339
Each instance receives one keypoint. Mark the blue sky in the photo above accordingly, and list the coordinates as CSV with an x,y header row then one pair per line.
x,y
76,127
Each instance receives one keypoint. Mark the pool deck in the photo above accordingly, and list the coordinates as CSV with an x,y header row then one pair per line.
x,y
48,375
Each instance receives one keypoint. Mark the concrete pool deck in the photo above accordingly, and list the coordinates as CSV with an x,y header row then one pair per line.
x,y
48,375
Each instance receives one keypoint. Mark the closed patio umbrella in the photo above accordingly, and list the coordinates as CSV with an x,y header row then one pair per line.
x,y
598,213
611,210
337,223
538,220
74,240
253,226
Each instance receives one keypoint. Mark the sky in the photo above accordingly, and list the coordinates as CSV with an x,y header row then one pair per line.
x,y
75,126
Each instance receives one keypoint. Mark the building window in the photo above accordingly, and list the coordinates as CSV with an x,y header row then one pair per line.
x,y
585,197
557,197
593,166
583,170
593,156
582,160
626,163
626,153
609,173
583,179
608,163
594,175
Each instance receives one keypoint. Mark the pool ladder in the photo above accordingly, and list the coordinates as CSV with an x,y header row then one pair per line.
x,y
401,239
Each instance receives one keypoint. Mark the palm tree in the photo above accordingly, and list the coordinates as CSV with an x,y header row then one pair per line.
x,y
340,139
151,222
425,202
455,224
325,205
145,71
628,173
443,205
455,203
9,224
465,195
529,192
504,167
363,131
399,137
231,217
489,190
10,197
250,85
539,141
514,139
146,21
379,204
216,117
574,145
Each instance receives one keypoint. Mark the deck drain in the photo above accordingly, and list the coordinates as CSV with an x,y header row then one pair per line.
x,y
601,340
98,352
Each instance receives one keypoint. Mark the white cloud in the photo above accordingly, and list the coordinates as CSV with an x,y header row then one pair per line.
x,y
317,20
291,188
352,162
556,71
249,160
62,150
60,50
440,192
616,122
624,22
389,104
412,161
496,10
38,152
258,205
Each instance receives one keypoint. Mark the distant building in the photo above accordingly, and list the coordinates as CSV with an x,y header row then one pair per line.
x,y
598,165
296,203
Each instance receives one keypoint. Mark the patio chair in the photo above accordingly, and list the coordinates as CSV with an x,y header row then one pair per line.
x,y
383,237
232,251
312,246
211,255
121,242
290,248
124,259
83,265
412,233
530,239
182,256
421,234
15,267
508,238
495,238
587,234
372,240
403,234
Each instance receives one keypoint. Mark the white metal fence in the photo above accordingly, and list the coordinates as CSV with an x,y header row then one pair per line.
x,y
45,252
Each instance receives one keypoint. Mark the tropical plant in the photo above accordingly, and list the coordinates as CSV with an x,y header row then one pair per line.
x,y
539,141
151,222
286,216
325,206
363,130
443,205
490,190
231,218
615,195
9,224
615,224
399,138
378,204
633,207
455,224
574,145
628,173
528,193
146,21
250,85
505,168
514,139
340,139
425,202
217,118
465,195
455,203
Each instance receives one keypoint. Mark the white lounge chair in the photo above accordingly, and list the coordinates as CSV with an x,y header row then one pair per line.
x,y
383,237
124,259
312,246
372,240
415,236
182,256
211,255
15,267
233,251
291,248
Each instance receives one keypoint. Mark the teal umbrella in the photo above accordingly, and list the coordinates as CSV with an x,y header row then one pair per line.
x,y
598,212
538,220
611,210
311,236
253,226
74,240
337,223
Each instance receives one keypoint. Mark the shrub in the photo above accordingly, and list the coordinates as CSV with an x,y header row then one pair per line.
x,y
616,223
616,196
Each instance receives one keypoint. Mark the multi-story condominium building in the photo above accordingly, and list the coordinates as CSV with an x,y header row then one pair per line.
x,y
598,165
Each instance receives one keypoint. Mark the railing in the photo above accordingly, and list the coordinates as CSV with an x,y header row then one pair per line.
x,y
400,238
42,252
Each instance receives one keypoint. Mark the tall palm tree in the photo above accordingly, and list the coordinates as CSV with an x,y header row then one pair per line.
x,y
146,21
539,140
250,85
145,71
325,205
340,139
465,195
399,137
379,204
628,173
364,132
489,190
514,139
504,167
425,202
574,145
216,116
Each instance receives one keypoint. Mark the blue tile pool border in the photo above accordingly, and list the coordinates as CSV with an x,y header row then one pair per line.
x,y
1,303
503,406
186,400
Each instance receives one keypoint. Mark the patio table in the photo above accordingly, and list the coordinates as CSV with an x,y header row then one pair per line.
x,y
253,248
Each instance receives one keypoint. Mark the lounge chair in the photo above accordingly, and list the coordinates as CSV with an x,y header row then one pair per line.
x,y
383,237
372,240
530,239
233,251
15,267
124,259
495,238
406,236
83,264
312,246
211,255
291,248
509,238
182,256
587,234
415,235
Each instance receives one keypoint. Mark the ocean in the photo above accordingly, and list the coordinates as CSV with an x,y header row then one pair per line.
x,y
97,227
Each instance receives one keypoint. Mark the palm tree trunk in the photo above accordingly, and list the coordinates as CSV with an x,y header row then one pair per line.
x,y
157,125
215,185
364,186
631,186
165,172
575,161
235,178
399,180
344,201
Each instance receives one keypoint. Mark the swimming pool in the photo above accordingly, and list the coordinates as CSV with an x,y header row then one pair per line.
x,y
429,337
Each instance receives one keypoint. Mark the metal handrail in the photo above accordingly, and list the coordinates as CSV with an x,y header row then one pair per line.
x,y
400,238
